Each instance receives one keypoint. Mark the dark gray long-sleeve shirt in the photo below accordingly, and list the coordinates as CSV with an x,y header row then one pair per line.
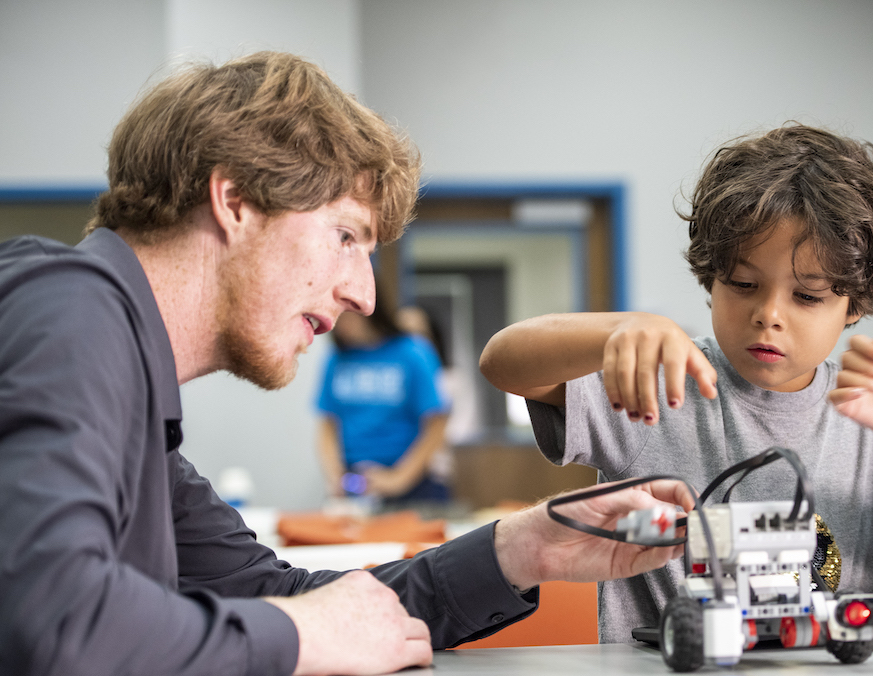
x,y
116,557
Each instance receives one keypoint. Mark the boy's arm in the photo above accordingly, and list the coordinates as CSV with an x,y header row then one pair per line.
x,y
853,396
536,357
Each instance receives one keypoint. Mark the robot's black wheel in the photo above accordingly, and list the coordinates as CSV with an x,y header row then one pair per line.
x,y
850,652
681,634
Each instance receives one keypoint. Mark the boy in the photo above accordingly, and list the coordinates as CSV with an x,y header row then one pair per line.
x,y
781,230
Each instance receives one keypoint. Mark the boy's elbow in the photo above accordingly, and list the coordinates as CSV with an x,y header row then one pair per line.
x,y
489,367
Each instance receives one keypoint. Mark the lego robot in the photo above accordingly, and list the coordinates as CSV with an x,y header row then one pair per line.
x,y
749,576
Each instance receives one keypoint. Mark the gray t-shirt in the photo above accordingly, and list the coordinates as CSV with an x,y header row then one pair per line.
x,y
702,439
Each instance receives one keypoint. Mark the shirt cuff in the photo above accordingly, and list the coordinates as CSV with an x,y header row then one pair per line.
x,y
476,589
274,644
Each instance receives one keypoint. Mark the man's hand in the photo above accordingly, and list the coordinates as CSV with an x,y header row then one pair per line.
x,y
355,625
853,396
632,355
533,548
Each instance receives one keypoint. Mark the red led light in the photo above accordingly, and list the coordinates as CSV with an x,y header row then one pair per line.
x,y
856,613
698,568
663,522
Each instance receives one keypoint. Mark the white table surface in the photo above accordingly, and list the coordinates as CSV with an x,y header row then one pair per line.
x,y
619,659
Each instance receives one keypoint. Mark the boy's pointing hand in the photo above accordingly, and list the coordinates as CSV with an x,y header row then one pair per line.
x,y
631,360
853,396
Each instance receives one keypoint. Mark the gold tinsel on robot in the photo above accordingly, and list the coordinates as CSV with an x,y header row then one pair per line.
x,y
827,559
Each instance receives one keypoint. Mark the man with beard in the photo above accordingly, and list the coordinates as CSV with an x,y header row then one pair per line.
x,y
244,204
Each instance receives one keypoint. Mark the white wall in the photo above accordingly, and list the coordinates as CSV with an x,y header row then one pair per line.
x,y
631,90
323,31
68,70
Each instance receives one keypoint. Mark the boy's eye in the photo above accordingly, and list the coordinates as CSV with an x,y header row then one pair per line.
x,y
739,285
808,299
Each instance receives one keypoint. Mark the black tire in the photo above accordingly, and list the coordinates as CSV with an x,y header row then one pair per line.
x,y
681,634
850,652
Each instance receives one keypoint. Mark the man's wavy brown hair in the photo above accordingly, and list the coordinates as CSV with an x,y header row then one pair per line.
x,y
823,180
276,125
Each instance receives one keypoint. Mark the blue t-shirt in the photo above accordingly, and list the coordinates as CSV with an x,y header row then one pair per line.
x,y
380,397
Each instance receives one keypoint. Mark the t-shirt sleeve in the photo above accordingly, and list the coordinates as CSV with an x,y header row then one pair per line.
x,y
549,427
587,431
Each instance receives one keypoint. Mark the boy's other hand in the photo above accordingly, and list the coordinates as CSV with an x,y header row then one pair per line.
x,y
853,396
638,345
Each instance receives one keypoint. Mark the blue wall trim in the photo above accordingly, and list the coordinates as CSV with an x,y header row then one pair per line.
x,y
49,194
615,192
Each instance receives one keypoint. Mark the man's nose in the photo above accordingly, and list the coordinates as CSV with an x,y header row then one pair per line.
x,y
358,292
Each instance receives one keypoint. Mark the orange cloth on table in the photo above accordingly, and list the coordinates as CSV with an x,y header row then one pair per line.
x,y
322,529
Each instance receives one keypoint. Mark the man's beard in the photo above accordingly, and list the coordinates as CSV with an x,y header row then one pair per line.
x,y
246,354
250,360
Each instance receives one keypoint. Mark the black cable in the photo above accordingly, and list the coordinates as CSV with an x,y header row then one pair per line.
x,y
605,490
714,564
804,487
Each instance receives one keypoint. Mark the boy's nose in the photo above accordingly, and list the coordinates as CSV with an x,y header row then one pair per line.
x,y
768,313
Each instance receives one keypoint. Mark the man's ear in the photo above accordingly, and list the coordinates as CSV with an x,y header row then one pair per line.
x,y
232,214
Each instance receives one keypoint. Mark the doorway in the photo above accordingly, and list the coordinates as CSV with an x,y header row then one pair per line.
x,y
481,256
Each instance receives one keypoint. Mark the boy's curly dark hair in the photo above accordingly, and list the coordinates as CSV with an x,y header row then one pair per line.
x,y
823,180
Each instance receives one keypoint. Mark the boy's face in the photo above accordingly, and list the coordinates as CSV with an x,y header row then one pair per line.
x,y
776,322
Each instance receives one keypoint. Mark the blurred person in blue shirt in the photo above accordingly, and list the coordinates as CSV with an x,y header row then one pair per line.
x,y
384,412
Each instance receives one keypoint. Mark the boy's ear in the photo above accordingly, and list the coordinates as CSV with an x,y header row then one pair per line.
x,y
233,215
853,318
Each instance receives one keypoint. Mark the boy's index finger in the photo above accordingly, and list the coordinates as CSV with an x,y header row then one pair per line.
x,y
648,358
856,361
862,343
675,363
704,373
